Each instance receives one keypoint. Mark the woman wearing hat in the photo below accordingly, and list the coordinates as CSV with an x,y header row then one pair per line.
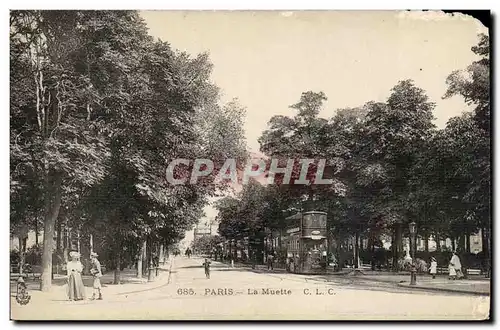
x,y
434,266
76,289
96,273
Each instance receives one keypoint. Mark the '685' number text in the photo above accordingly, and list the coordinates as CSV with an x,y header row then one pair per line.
x,y
185,292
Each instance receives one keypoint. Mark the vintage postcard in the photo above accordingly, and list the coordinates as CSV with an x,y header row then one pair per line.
x,y
250,165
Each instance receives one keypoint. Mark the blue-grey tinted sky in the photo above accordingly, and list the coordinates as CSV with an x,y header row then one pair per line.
x,y
267,59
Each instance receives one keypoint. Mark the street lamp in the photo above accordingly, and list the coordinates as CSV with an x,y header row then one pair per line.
x,y
413,270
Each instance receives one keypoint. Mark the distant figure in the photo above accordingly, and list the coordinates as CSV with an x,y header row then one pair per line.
x,y
76,289
188,252
206,265
97,274
434,265
457,265
270,261
452,272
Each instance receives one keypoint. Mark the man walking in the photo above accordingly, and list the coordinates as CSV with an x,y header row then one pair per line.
x,y
270,261
96,273
206,265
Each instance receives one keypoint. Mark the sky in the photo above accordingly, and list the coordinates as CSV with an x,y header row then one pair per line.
x,y
267,59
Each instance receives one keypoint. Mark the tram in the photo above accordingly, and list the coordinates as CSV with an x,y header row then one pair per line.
x,y
305,242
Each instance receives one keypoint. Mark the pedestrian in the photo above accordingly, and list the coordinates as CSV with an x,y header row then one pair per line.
x,y
206,265
434,265
455,262
452,272
270,261
76,289
96,274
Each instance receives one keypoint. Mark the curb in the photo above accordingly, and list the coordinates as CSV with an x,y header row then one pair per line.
x,y
151,288
475,293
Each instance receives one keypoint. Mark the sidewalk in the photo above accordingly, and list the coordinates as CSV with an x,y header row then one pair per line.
x,y
129,284
476,284
475,287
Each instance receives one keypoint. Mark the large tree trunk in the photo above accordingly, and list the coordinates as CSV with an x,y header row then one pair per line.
x,y
66,245
23,238
394,248
453,244
144,259
399,239
58,236
372,251
149,258
398,242
36,231
52,208
426,243
437,238
161,257
21,254
461,243
139,262
356,249
78,246
117,275
467,241
486,251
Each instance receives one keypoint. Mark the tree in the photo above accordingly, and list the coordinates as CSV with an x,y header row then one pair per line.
x,y
303,136
99,107
473,140
206,244
53,130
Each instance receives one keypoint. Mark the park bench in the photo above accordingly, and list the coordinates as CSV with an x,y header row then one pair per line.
x,y
35,271
445,270
474,271
442,270
14,269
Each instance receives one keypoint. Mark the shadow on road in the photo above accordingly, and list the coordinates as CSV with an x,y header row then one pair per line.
x,y
200,266
232,270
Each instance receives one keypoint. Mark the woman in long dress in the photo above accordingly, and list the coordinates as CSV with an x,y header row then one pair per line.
x,y
433,269
76,289
457,265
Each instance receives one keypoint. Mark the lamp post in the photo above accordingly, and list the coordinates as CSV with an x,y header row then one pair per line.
x,y
413,270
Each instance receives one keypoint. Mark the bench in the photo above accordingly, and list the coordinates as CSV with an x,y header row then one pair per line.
x,y
442,270
35,271
445,270
474,271
14,269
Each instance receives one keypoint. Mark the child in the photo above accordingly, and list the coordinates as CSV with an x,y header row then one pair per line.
x,y
434,265
206,264
97,274
453,273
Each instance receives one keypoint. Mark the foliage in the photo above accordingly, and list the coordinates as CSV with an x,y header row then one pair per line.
x,y
98,109
205,244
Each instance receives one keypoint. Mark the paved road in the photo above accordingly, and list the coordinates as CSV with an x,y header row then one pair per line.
x,y
240,294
